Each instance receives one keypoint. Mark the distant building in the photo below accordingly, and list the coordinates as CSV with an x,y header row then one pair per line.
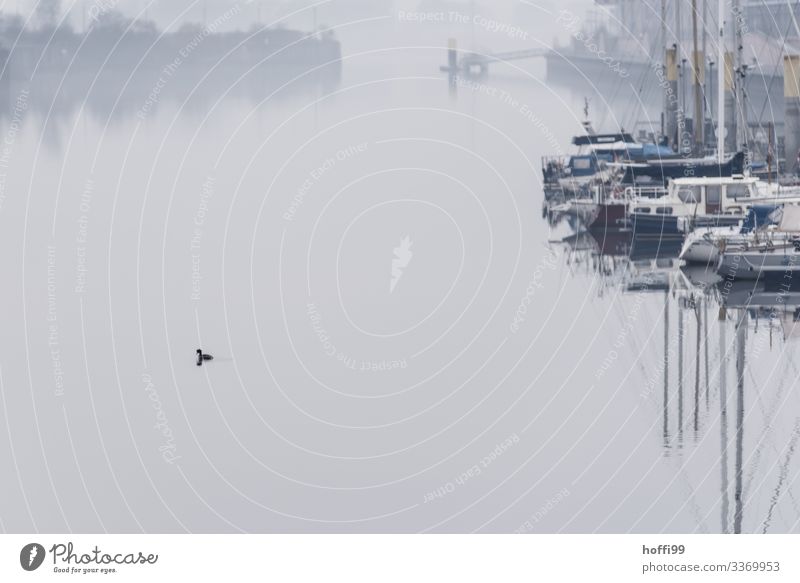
x,y
771,17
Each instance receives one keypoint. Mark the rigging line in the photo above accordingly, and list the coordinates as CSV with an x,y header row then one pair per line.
x,y
766,436
634,340
782,475
768,415
790,361
708,92
705,346
758,118
643,77
748,103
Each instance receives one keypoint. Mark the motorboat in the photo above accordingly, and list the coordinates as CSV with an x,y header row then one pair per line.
x,y
692,203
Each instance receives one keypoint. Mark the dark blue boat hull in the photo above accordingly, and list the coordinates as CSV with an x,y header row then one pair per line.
x,y
673,226
654,224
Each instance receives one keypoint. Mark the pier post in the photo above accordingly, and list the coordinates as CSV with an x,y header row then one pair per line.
x,y
452,55
452,63
791,98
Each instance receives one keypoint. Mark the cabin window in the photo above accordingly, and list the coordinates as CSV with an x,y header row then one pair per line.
x,y
713,193
664,210
642,209
689,194
734,190
582,164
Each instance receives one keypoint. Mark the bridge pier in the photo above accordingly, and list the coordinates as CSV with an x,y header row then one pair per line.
x,y
475,64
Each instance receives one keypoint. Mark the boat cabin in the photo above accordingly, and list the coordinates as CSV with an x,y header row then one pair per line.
x,y
707,196
581,166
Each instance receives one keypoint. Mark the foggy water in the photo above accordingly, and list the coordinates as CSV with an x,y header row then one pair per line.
x,y
401,341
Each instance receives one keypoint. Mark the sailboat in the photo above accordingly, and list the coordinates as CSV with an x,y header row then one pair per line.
x,y
777,254
703,246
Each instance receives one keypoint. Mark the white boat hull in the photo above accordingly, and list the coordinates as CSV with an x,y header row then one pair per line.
x,y
583,210
700,251
578,183
704,246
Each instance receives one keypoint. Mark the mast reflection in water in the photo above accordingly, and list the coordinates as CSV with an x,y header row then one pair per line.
x,y
756,334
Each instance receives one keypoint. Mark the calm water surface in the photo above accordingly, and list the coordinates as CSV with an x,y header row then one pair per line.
x,y
402,342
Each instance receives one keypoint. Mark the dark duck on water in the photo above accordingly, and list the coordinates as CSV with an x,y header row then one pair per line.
x,y
201,357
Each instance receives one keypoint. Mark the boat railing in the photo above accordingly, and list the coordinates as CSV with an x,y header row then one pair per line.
x,y
554,168
632,192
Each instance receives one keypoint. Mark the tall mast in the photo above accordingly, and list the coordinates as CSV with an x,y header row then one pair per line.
x,y
665,109
666,368
739,78
723,423
721,83
738,495
705,27
671,96
707,95
697,63
681,70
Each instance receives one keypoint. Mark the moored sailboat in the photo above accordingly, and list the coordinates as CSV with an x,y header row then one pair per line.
x,y
777,254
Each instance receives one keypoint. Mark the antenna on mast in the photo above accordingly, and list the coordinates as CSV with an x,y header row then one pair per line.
x,y
587,123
